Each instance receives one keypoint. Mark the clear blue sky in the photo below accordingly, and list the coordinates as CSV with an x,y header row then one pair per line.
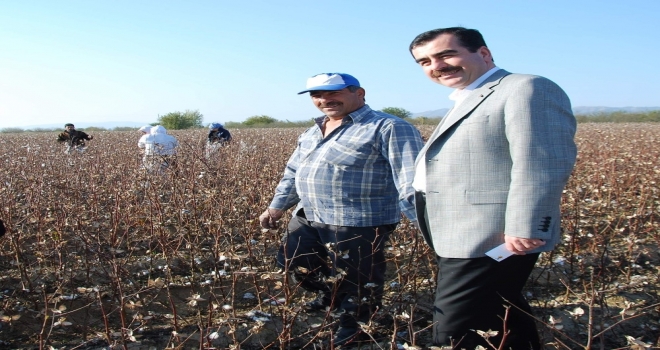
x,y
96,61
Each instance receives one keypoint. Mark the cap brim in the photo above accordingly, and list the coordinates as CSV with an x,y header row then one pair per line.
x,y
325,88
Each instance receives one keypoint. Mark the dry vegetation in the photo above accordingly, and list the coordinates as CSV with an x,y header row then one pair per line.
x,y
99,255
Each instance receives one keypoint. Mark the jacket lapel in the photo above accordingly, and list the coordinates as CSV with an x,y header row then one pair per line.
x,y
475,98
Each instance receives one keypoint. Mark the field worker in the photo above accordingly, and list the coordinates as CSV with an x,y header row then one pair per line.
x,y
491,175
74,139
351,178
218,137
142,144
159,150
144,130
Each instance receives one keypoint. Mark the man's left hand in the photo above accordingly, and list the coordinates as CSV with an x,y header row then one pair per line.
x,y
520,246
269,218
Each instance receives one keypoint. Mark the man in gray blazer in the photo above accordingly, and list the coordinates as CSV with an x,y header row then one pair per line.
x,y
491,174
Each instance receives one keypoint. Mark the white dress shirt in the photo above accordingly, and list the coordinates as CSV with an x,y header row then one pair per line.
x,y
458,96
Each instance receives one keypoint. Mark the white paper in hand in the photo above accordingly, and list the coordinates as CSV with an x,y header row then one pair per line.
x,y
499,253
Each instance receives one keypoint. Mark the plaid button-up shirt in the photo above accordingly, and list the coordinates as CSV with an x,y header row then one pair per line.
x,y
359,175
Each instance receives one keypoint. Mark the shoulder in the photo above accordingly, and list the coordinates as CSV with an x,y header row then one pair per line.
x,y
516,79
369,116
519,86
391,121
309,131
390,128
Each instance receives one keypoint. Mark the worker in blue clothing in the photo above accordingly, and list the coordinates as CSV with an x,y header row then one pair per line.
x,y
218,137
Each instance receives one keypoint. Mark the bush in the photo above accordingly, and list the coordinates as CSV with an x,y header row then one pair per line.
x,y
275,124
619,117
259,119
425,120
93,128
177,120
46,130
11,130
399,112
123,128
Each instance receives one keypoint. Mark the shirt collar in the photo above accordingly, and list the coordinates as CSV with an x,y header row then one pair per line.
x,y
355,116
459,94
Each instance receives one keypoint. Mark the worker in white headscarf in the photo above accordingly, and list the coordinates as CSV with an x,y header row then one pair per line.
x,y
144,131
159,149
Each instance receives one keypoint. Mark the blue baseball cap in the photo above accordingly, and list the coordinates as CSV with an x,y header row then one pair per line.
x,y
330,82
215,126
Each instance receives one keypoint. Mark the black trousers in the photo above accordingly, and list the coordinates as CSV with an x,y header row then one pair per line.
x,y
347,263
471,296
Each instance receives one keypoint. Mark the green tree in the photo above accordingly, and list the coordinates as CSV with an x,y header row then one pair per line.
x,y
399,112
178,120
259,119
123,128
11,130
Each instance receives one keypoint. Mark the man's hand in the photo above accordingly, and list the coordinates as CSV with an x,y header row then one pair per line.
x,y
520,246
269,218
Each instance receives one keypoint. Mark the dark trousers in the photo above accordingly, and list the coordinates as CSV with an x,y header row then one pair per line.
x,y
346,263
470,296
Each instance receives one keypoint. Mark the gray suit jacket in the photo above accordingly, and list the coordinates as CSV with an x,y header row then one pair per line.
x,y
498,164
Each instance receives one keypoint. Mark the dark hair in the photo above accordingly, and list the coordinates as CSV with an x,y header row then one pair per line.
x,y
353,88
68,124
470,39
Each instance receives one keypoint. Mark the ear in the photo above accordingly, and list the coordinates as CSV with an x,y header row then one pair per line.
x,y
361,92
485,53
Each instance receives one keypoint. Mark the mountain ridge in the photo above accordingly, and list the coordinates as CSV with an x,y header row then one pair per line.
x,y
579,110
436,113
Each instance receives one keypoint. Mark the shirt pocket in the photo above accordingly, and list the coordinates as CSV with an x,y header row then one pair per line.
x,y
353,153
477,118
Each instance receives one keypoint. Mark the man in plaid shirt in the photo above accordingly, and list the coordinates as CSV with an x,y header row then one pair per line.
x,y
351,178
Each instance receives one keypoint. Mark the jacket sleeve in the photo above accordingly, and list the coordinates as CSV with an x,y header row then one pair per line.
x,y
540,128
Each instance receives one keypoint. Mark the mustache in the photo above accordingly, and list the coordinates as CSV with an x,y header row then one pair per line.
x,y
440,72
331,104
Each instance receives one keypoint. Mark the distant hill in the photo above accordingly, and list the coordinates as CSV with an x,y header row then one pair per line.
x,y
601,110
582,110
436,113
